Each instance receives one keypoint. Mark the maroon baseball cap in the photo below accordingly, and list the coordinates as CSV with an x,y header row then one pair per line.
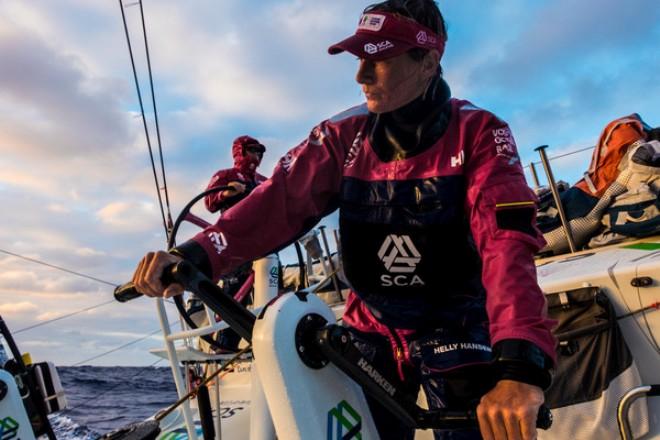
x,y
382,35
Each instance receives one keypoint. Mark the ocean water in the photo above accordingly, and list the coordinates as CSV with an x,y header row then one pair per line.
x,y
102,399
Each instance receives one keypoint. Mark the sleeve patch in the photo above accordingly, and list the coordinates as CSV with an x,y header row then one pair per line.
x,y
528,203
504,143
517,216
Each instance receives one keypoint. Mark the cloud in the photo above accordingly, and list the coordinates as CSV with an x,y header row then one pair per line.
x,y
17,279
126,335
43,344
46,316
27,180
48,88
210,69
18,308
126,216
87,252
219,69
57,208
568,36
559,71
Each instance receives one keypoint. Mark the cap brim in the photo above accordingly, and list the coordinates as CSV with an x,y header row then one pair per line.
x,y
370,47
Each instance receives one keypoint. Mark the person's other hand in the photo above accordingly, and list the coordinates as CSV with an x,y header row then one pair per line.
x,y
509,411
237,188
147,276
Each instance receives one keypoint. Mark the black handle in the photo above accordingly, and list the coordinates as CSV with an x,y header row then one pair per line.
x,y
240,319
544,418
654,391
127,292
446,419
319,343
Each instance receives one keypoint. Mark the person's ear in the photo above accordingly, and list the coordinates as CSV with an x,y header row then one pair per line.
x,y
430,62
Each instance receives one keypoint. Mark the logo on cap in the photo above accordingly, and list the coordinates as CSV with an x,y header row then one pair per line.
x,y
424,38
372,48
371,22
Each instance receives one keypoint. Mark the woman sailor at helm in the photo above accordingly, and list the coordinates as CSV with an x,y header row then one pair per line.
x,y
437,231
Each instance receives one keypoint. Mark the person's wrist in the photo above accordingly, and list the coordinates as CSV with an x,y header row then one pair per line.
x,y
522,361
195,254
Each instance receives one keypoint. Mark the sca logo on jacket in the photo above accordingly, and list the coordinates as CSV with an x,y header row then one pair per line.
x,y
400,257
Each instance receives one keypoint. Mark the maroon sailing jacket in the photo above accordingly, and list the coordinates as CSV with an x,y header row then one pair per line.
x,y
434,233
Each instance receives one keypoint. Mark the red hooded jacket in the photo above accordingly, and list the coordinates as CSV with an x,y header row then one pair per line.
x,y
244,171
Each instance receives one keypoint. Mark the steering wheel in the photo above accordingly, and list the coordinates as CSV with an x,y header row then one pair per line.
x,y
127,292
183,216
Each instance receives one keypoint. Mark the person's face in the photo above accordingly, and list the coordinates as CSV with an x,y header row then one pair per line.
x,y
255,152
392,83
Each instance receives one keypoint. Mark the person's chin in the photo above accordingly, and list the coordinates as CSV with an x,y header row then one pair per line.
x,y
376,106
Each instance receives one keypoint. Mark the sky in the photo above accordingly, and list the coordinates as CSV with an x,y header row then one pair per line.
x,y
76,185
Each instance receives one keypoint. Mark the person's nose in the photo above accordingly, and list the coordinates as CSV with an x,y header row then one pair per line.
x,y
365,73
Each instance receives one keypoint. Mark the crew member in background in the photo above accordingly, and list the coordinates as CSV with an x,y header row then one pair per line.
x,y
243,178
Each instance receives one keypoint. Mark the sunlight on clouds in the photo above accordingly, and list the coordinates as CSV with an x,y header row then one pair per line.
x,y
125,335
17,308
67,285
53,314
25,179
58,208
46,316
48,88
235,72
59,23
26,16
88,252
127,216
303,22
43,297
43,239
42,343
17,279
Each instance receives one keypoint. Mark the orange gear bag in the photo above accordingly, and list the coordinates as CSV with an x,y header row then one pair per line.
x,y
607,160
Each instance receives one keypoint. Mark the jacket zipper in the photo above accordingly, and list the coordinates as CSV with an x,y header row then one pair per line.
x,y
399,351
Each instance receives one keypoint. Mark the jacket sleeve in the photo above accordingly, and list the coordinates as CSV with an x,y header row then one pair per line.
x,y
304,188
213,201
502,212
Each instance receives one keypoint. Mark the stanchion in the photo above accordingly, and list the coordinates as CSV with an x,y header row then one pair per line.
x,y
555,194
